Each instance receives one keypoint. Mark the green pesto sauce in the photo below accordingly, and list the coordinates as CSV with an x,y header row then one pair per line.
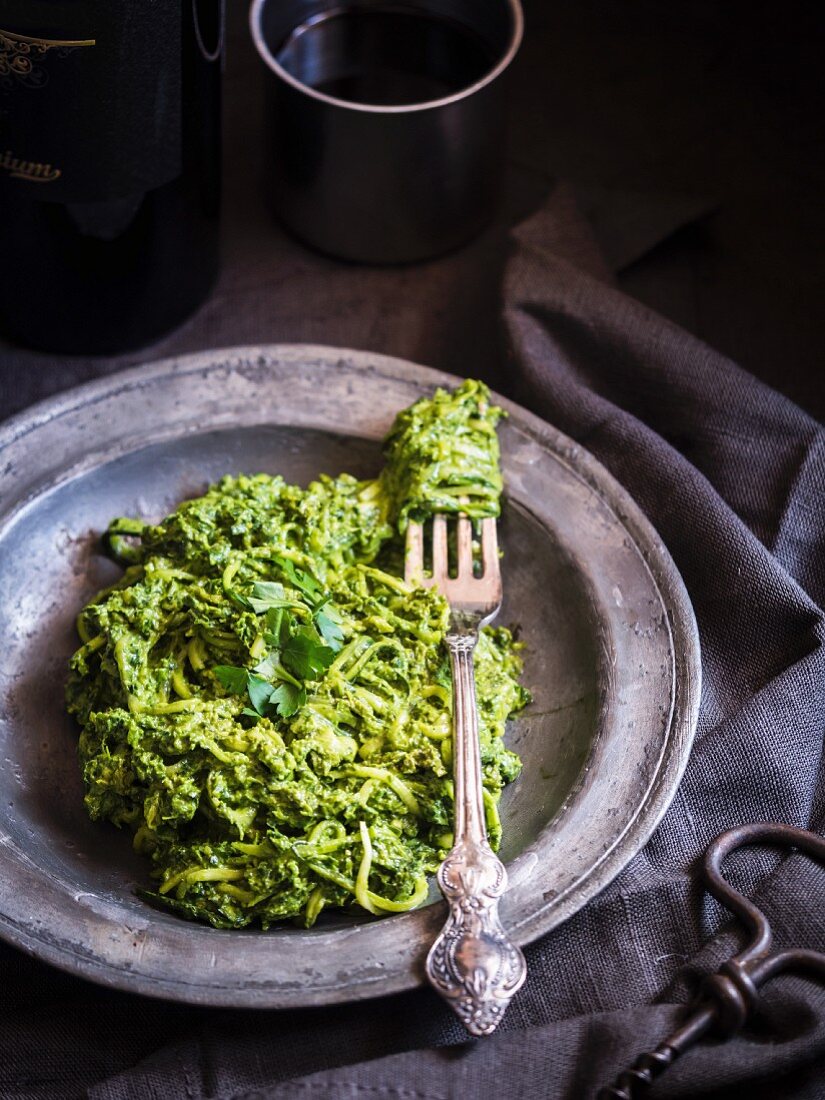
x,y
265,703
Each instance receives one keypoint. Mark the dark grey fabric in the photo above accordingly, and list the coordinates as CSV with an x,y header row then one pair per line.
x,y
733,477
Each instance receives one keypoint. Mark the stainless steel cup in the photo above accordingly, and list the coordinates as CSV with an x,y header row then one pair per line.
x,y
386,182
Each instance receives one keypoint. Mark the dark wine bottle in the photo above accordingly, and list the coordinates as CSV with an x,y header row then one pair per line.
x,y
109,169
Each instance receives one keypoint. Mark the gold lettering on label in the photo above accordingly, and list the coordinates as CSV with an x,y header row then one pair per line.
x,y
30,170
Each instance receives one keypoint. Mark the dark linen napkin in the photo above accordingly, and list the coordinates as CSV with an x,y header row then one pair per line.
x,y
733,477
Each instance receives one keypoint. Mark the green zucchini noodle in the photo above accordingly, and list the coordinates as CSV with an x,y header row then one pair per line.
x,y
264,702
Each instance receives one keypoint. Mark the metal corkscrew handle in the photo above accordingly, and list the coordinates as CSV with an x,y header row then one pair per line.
x,y
730,996
472,963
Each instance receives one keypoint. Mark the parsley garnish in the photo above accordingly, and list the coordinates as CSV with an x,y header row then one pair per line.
x,y
276,684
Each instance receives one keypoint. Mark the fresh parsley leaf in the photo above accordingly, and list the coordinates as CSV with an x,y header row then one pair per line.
x,y
305,657
329,627
259,606
287,699
268,590
233,679
274,621
267,595
301,579
259,692
268,668
280,628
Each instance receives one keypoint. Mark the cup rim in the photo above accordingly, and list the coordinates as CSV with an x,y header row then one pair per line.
x,y
514,42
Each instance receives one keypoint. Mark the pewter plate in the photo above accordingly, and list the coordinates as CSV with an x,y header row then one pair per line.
x,y
612,659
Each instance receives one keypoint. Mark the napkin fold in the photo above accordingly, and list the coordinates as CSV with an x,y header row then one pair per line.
x,y
629,223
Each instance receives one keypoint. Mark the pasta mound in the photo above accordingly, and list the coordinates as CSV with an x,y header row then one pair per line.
x,y
265,703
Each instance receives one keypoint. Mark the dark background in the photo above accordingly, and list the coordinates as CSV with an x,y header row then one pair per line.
x,y
677,108
684,138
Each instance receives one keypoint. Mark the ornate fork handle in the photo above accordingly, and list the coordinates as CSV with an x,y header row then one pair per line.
x,y
472,963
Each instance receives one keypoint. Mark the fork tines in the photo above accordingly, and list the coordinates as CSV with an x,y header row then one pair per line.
x,y
465,587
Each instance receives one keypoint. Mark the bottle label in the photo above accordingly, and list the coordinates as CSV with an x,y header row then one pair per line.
x,y
90,97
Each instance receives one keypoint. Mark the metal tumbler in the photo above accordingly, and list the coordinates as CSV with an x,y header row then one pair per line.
x,y
386,121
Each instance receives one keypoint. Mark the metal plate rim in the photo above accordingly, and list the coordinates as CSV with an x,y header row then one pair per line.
x,y
663,573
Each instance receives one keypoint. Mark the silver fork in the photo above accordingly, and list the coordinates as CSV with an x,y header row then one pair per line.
x,y
472,963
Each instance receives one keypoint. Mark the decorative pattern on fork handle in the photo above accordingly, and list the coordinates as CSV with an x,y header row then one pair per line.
x,y
472,963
